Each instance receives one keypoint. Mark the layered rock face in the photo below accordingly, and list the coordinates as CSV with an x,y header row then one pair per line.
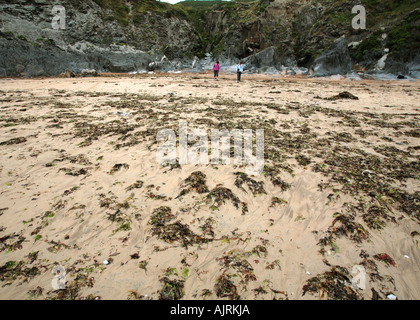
x,y
335,60
92,38
124,36
306,34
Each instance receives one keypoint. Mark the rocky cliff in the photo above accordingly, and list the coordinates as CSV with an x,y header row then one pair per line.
x,y
303,31
122,36
116,36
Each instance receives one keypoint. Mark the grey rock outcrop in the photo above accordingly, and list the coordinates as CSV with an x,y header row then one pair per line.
x,y
92,38
335,60
265,58
21,58
414,67
411,68
269,35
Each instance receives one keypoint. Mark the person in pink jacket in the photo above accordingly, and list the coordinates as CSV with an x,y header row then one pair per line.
x,y
216,69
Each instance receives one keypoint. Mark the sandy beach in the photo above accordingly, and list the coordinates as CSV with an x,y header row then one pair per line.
x,y
80,187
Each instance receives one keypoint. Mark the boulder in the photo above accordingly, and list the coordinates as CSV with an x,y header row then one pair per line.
x,y
122,61
414,67
266,58
415,74
335,60
67,74
394,66
89,73
162,64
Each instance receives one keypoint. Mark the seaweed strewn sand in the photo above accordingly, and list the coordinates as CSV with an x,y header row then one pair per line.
x,y
81,188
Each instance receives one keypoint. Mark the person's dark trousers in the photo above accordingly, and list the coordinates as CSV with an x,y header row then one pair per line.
x,y
239,76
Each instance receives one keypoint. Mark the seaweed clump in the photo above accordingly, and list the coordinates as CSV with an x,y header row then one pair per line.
x,y
219,195
74,172
334,284
13,141
303,160
137,185
118,167
226,288
276,201
7,243
173,286
92,131
175,231
195,182
237,261
375,218
257,188
235,266
172,289
372,176
11,271
343,95
384,257
72,290
344,225
272,173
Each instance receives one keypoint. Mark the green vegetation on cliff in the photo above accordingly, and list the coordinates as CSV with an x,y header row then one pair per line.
x,y
406,34
131,11
252,24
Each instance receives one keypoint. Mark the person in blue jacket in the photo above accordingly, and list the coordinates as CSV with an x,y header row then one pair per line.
x,y
239,70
